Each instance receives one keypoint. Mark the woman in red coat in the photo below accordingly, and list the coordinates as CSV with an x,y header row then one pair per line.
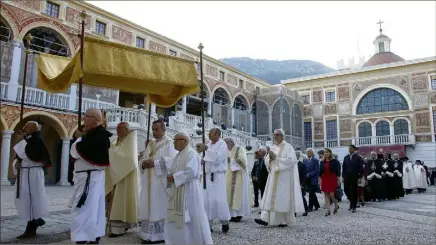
x,y
329,172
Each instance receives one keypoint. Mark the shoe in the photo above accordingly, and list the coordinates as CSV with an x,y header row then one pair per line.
x,y
327,214
40,222
225,228
362,204
305,214
354,210
27,234
261,222
115,235
316,209
282,226
310,210
335,211
152,242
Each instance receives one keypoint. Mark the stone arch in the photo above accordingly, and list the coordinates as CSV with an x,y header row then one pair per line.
x,y
62,33
262,118
297,121
243,99
263,101
381,120
207,87
373,87
409,124
6,17
276,114
225,90
55,122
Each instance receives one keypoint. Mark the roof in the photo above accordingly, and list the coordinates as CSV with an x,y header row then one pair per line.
x,y
360,70
381,36
382,58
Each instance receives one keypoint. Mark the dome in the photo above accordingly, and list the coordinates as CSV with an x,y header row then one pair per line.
x,y
382,58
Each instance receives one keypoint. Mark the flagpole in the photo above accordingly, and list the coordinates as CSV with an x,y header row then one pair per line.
x,y
200,47
83,16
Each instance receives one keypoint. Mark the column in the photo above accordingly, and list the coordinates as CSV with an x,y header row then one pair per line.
x,y
184,104
65,161
251,123
73,98
233,116
374,135
270,124
209,107
153,109
15,72
5,151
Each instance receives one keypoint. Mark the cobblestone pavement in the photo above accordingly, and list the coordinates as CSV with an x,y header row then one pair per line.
x,y
411,220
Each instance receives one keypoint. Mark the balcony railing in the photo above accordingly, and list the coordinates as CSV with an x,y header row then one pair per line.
x,y
403,139
40,98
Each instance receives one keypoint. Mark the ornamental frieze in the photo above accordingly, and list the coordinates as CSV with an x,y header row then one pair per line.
x,y
345,125
343,93
419,82
330,109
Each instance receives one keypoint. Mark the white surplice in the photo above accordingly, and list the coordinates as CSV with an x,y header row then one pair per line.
x,y
409,178
282,197
187,221
89,221
32,203
153,198
421,176
215,194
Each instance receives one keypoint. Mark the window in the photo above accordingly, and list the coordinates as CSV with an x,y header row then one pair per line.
x,y
433,82
332,129
365,129
222,76
401,126
307,131
306,99
382,128
52,9
434,120
382,100
140,42
257,90
330,96
100,28
173,53
381,47
241,84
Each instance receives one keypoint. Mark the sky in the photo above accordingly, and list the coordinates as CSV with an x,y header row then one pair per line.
x,y
281,30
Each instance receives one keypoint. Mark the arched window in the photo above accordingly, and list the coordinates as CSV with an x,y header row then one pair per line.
x,y
365,129
382,128
401,126
381,100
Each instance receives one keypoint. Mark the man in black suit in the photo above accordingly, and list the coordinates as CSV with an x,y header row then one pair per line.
x,y
302,172
312,167
352,172
259,175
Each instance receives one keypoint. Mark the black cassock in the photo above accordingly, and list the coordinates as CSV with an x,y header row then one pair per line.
x,y
376,183
389,179
397,182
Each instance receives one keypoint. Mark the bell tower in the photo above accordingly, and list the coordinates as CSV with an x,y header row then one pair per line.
x,y
382,43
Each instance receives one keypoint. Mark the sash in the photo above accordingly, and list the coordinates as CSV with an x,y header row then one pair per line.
x,y
235,179
276,180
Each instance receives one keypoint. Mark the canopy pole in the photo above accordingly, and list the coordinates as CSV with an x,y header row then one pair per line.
x,y
28,38
200,47
83,16
148,121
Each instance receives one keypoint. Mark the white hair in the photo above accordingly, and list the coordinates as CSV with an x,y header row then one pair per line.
x,y
185,136
310,149
263,149
229,140
280,131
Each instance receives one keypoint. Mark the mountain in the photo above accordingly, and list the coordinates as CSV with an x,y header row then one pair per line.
x,y
272,71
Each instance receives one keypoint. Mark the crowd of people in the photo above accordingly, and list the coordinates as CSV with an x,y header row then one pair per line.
x,y
172,193
365,179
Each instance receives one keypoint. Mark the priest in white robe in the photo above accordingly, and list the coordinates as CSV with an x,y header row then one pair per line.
x,y
282,199
91,152
237,190
215,195
421,176
409,178
31,157
153,200
187,221
122,182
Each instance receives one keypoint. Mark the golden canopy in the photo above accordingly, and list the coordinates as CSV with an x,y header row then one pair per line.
x,y
164,78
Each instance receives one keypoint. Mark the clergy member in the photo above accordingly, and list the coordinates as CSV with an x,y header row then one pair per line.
x,y
374,177
421,176
122,182
91,152
215,195
237,190
409,178
282,198
397,182
187,221
32,157
153,200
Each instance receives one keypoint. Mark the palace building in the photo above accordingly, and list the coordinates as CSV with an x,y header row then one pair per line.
x,y
232,98
387,105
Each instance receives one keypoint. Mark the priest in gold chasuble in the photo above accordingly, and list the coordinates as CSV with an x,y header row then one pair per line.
x,y
122,182
282,198
238,196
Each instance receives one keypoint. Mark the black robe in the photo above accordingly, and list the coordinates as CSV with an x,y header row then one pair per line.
x,y
397,180
94,147
376,185
389,181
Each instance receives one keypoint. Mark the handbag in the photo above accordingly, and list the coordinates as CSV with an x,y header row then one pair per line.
x,y
339,193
